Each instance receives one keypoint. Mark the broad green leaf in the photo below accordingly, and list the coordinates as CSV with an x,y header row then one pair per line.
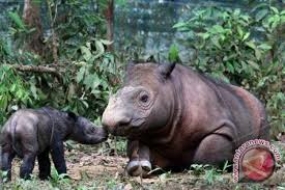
x,y
245,36
215,41
80,74
274,21
85,104
179,25
253,64
264,46
274,9
203,35
91,80
261,14
257,54
251,44
99,49
7,47
17,20
236,12
86,53
230,67
88,45
33,90
240,31
217,29
13,88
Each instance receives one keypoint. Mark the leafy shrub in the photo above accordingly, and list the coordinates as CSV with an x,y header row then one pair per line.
x,y
244,48
74,46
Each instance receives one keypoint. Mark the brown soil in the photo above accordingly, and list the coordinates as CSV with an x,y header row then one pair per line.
x,y
88,168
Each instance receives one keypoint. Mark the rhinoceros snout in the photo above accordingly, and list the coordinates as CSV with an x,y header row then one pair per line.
x,y
113,121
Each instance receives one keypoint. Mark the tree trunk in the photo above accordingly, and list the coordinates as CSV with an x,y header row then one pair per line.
x,y
31,18
110,21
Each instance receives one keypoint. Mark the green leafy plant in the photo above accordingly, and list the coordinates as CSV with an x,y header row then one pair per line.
x,y
199,169
212,175
3,176
84,74
13,91
242,48
58,180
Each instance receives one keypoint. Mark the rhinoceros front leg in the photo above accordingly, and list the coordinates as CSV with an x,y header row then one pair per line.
x,y
57,154
44,165
214,149
139,159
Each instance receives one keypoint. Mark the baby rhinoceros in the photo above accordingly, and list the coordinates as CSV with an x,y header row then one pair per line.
x,y
30,133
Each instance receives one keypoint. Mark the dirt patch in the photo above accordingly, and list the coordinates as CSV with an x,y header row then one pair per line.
x,y
89,170
94,166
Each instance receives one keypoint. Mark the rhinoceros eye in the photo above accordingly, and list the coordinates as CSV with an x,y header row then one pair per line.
x,y
144,97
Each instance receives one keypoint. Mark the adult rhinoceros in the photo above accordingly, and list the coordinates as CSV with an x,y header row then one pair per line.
x,y
174,117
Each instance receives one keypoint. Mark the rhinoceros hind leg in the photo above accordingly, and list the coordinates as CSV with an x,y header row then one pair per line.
x,y
7,156
27,165
214,149
44,165
137,168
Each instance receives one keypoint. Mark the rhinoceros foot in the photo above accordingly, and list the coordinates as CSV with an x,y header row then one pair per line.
x,y
138,168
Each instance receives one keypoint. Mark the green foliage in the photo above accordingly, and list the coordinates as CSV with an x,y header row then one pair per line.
x,y
212,175
244,48
22,184
96,74
199,169
58,181
77,23
173,54
87,71
15,17
13,91
3,176
209,173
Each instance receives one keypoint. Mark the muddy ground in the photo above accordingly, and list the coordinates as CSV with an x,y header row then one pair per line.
x,y
89,169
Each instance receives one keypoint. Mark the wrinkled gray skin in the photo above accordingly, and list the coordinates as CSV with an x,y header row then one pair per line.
x,y
174,117
31,133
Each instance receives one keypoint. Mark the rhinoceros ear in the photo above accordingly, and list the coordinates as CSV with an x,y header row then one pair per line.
x,y
166,69
72,115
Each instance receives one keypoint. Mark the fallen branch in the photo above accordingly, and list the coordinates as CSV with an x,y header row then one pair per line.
x,y
37,69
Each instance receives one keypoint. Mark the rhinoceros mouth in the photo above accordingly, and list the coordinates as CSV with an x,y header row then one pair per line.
x,y
127,130
121,131
131,128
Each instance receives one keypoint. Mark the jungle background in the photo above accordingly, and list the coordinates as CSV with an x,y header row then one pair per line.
x,y
71,54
